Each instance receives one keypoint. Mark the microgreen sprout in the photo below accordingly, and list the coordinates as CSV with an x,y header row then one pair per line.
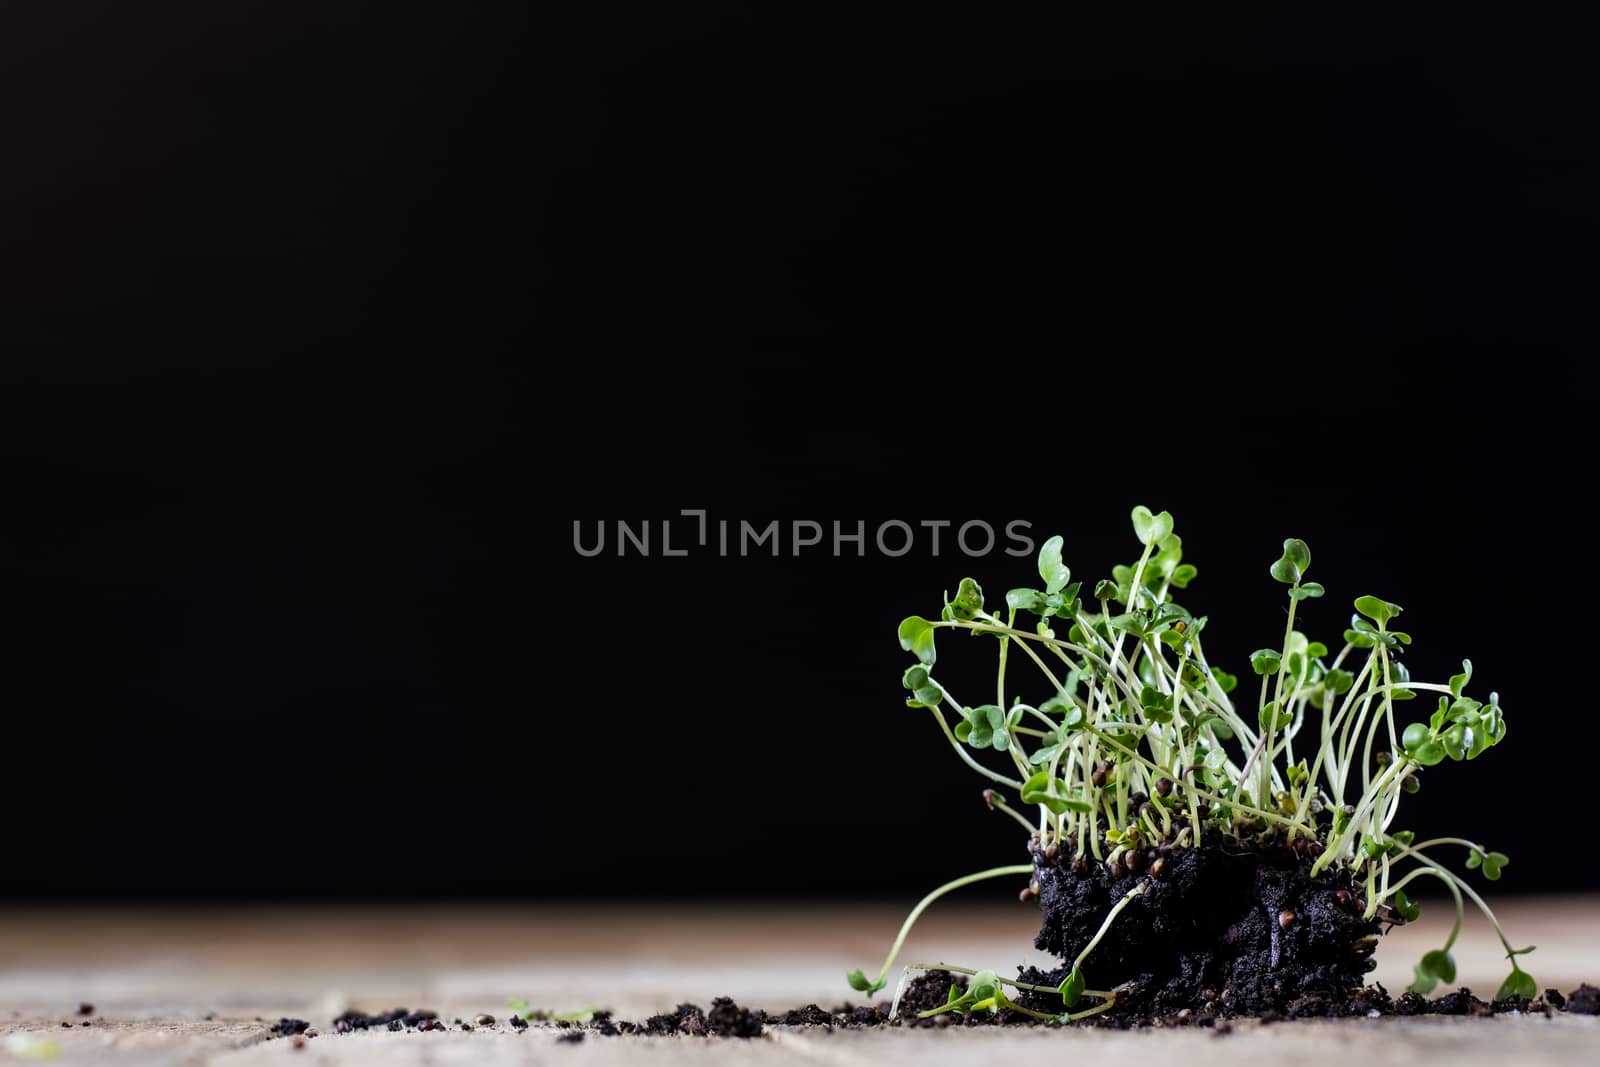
x,y
521,1009
1131,739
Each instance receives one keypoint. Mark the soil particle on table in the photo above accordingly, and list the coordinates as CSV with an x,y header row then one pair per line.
x,y
685,1019
398,1019
1461,1002
727,1019
1585,1000
810,1015
289,1027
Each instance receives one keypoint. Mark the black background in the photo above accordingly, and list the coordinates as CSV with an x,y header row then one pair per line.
x,y
326,322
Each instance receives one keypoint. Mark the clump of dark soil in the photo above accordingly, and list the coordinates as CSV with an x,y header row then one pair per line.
x,y
685,1019
1227,928
1585,1000
284,1027
725,1019
810,1015
398,1019
845,1015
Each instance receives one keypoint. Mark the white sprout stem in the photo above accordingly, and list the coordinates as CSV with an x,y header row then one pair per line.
x,y
1116,909
1434,872
1456,880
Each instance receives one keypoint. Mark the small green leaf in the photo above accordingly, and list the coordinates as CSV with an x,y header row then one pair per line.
x,y
1436,720
1105,589
1272,719
1148,528
1310,589
985,727
1128,623
1474,859
1518,983
1416,735
1440,964
1492,864
1051,569
1404,907
1338,681
1430,754
1293,563
1051,792
968,601
1025,600
1424,981
1044,755
858,981
1072,988
984,985
1459,682
916,635
1379,611
1265,661
1225,681
1183,574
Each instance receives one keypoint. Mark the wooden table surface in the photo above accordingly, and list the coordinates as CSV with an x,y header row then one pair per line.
x,y
186,987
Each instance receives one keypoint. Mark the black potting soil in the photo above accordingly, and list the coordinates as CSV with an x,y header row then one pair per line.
x,y
1585,1000
1224,928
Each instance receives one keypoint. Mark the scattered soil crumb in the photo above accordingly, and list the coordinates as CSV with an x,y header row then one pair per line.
x,y
1585,1000
727,1019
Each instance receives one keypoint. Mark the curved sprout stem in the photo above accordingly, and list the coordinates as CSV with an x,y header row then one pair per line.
x,y
1111,915
922,905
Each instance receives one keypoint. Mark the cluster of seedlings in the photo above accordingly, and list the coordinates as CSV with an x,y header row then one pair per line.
x,y
1185,847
